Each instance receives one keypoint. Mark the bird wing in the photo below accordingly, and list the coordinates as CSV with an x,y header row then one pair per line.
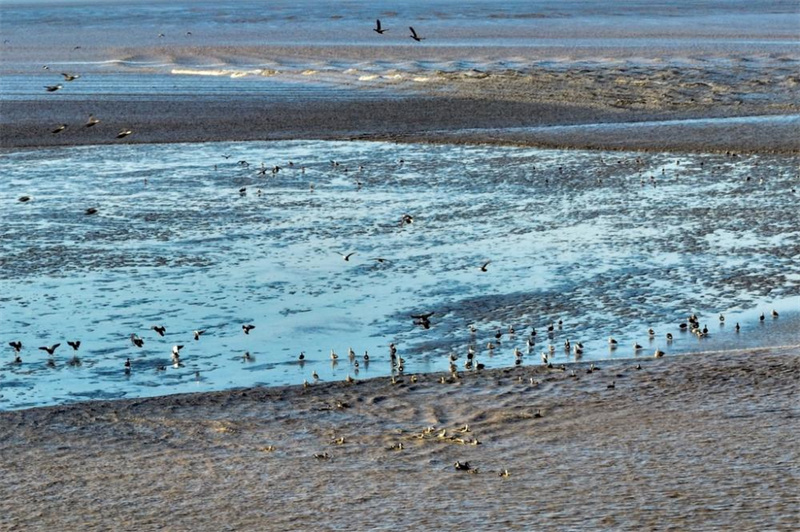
x,y
413,33
485,264
347,257
378,24
422,316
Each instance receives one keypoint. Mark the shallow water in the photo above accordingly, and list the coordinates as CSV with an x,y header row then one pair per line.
x,y
585,237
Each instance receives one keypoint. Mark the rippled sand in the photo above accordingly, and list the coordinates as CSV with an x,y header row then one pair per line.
x,y
697,443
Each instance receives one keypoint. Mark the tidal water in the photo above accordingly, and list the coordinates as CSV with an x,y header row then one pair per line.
x,y
611,244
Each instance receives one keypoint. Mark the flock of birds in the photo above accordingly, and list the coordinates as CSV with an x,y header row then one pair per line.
x,y
690,325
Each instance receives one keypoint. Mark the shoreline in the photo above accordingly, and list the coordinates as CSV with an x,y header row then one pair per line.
x,y
402,119
581,451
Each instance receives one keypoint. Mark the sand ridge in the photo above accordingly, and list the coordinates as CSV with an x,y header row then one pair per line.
x,y
704,441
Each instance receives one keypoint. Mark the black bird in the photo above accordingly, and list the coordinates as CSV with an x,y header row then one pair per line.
x,y
70,77
423,319
52,88
124,133
74,345
347,257
138,342
16,345
406,219
248,328
198,333
128,366
59,129
462,467
50,350
160,329
485,264
377,28
415,36
90,211
24,199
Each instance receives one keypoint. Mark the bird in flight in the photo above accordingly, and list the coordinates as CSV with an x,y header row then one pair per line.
x,y
381,260
50,350
92,121
124,133
377,28
198,333
138,342
423,319
160,329
70,77
415,36
347,257
74,345
485,264
248,328
16,345
52,88
59,129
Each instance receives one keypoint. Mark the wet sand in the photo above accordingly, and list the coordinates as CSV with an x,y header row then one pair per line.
x,y
707,441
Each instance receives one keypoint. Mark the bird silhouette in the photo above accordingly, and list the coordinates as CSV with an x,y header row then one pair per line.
x,y
70,77
50,350
138,342
124,133
347,257
415,36
485,264
59,129
377,28
160,329
16,345
52,88
248,328
92,121
74,345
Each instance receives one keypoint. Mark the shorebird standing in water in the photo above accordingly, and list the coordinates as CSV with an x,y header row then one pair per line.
x,y
377,29
415,36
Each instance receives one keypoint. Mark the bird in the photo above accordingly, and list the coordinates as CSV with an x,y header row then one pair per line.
x,y
334,356
247,356
658,354
774,313
377,29
160,329
50,350
761,318
651,333
347,257
504,473
124,133
74,345
485,264
53,88
128,366
90,211
406,219
92,121
138,342
669,337
70,77
721,317
612,385
17,345
636,347
612,343
423,319
176,350
462,467
737,327
301,356
59,129
415,36
247,328
381,260
198,333
24,199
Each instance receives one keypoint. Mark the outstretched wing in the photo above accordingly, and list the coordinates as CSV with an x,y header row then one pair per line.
x,y
413,33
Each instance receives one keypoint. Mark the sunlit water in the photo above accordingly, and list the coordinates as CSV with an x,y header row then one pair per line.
x,y
584,237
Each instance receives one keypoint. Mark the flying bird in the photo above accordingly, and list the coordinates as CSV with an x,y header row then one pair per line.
x,y
70,77
248,328
16,345
138,342
74,345
485,264
124,133
91,121
198,333
347,257
377,28
160,329
415,36
59,129
50,350
52,88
